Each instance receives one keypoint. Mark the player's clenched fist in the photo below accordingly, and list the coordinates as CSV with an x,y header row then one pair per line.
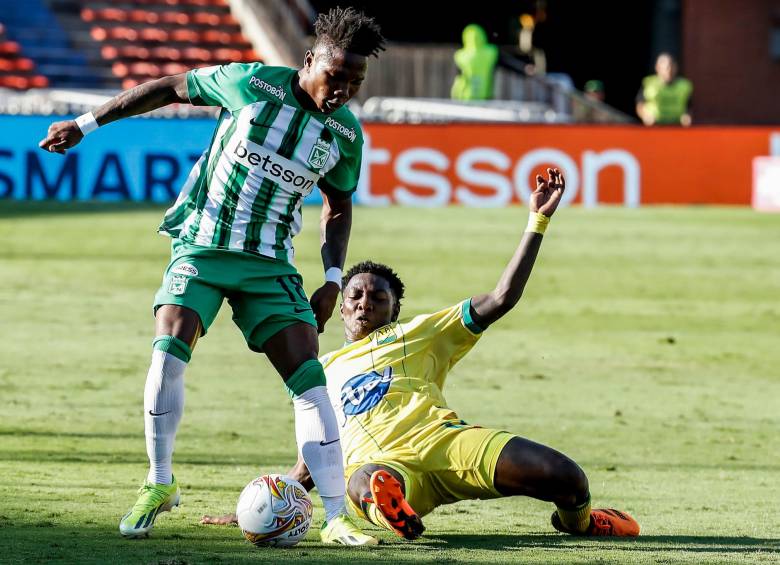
x,y
61,136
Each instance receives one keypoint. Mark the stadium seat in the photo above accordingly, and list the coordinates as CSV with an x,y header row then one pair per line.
x,y
146,39
17,71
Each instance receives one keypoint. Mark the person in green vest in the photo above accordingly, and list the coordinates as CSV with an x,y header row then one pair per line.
x,y
664,98
476,62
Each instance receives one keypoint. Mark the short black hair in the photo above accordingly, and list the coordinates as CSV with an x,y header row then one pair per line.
x,y
379,270
350,30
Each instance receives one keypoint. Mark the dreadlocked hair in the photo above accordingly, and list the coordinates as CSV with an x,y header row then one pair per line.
x,y
379,270
349,30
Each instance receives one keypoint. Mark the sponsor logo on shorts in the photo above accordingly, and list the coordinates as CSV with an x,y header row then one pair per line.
x,y
319,153
185,269
178,284
349,133
272,89
282,171
362,392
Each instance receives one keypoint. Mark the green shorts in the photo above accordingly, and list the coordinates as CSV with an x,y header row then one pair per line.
x,y
266,294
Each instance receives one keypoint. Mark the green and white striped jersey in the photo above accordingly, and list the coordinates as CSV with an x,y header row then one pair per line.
x,y
267,154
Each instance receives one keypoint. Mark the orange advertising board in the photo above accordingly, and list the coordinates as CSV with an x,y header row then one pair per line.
x,y
494,165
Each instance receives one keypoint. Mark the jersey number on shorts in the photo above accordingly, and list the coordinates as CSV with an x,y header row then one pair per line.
x,y
296,282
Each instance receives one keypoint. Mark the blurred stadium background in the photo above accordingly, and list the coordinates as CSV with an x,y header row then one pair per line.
x,y
64,57
663,379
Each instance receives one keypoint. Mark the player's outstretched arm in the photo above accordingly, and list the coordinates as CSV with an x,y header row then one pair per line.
x,y
335,226
487,308
141,99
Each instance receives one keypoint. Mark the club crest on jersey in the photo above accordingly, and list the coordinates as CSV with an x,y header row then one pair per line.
x,y
319,153
385,335
362,392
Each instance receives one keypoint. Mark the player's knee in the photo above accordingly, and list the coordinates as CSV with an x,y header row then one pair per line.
x,y
573,478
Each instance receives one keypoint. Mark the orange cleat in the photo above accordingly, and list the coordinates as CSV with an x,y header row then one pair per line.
x,y
603,522
389,500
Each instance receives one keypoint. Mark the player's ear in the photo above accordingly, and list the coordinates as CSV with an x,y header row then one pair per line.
x,y
341,309
396,311
308,59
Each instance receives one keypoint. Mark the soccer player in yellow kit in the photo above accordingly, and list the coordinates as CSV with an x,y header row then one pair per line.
x,y
405,451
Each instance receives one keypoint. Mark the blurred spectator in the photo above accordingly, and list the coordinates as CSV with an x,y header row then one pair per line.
x,y
594,90
476,62
525,44
664,97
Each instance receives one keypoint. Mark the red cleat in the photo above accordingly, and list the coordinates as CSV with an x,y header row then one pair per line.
x,y
389,499
603,522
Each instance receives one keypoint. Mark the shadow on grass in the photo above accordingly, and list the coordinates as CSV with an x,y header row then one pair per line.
x,y
697,544
55,434
26,208
52,538
47,540
139,457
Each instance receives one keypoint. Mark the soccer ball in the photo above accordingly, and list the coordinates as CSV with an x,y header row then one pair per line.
x,y
274,510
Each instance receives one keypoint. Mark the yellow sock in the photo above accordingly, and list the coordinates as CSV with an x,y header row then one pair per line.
x,y
575,519
377,518
369,511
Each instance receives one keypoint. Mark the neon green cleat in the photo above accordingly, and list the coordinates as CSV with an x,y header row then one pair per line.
x,y
152,499
343,530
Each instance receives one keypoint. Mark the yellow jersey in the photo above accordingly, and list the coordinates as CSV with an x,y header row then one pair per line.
x,y
386,388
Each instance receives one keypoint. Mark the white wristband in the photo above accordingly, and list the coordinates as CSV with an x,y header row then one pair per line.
x,y
333,275
87,123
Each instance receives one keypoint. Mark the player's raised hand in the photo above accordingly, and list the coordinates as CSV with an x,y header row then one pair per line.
x,y
548,193
61,136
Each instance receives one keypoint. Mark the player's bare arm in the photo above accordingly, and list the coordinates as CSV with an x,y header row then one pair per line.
x,y
335,226
138,100
487,308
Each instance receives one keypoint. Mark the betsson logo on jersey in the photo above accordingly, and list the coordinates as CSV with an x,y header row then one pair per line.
x,y
271,89
282,171
349,133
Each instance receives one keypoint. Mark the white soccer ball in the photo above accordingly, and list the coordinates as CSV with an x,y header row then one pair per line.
x,y
274,510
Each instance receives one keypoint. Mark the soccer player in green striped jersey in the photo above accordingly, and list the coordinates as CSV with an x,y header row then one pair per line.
x,y
281,133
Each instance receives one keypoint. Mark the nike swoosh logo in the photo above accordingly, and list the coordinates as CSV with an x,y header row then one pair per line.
x,y
299,310
323,443
158,413
254,123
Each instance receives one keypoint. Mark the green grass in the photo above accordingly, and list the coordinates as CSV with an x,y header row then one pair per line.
x,y
646,348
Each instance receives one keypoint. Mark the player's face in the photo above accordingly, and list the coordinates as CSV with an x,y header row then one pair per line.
x,y
334,76
368,304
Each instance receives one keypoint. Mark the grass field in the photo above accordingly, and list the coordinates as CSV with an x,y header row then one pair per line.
x,y
647,347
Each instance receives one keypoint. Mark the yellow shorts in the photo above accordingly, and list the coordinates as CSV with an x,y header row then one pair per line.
x,y
458,464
